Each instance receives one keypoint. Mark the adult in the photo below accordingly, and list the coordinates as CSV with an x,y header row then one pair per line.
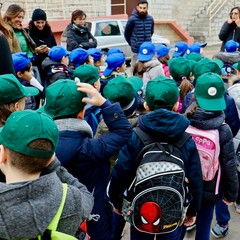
x,y
14,17
139,29
231,28
6,65
9,34
41,33
78,34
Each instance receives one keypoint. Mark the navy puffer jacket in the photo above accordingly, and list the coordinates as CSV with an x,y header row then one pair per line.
x,y
139,29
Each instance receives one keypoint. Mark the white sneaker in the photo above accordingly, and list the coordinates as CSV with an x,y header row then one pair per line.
x,y
237,207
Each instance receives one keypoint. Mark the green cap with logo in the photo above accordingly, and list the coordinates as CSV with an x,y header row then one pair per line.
x,y
209,92
11,89
23,127
206,65
161,92
122,89
63,99
179,67
86,73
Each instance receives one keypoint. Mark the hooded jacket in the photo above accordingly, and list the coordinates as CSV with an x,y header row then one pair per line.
x,y
78,36
164,124
28,208
139,29
229,180
87,159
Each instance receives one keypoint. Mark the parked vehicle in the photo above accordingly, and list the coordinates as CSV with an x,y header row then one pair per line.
x,y
110,34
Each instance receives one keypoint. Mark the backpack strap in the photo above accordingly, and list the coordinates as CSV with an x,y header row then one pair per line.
x,y
54,223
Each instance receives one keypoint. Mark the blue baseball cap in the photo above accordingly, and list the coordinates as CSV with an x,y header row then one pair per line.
x,y
78,56
194,48
180,48
56,53
162,50
20,61
96,53
231,46
113,61
202,45
146,51
114,50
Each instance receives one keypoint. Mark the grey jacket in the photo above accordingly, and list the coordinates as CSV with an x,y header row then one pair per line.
x,y
28,208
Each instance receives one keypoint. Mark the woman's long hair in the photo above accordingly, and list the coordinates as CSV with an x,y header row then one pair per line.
x,y
12,12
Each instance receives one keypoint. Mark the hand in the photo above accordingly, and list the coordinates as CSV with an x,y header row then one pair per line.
x,y
117,211
96,98
41,49
237,21
228,203
90,40
189,220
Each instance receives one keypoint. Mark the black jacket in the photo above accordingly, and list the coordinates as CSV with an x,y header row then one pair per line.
x,y
78,36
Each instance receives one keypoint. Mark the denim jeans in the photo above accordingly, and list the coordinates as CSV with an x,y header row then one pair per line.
x,y
203,222
136,235
222,213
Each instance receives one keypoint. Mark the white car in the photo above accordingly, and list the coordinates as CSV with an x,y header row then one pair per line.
x,y
109,33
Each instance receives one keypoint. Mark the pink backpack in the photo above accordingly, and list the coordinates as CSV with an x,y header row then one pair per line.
x,y
208,146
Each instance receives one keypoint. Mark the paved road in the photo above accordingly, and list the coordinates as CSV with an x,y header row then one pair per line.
x,y
234,227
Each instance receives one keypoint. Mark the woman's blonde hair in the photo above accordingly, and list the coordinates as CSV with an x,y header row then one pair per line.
x,y
12,12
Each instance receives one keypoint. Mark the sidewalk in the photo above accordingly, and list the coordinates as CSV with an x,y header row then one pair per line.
x,y
233,234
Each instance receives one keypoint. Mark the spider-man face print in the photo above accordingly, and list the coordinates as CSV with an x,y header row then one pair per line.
x,y
151,215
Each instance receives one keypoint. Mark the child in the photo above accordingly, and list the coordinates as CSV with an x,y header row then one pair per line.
x,y
180,70
56,65
89,74
23,69
180,49
85,157
162,122
163,57
80,56
98,59
207,113
116,65
33,200
12,96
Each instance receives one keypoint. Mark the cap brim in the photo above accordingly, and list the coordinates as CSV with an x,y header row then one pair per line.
x,y
107,71
177,54
212,104
203,44
144,58
30,91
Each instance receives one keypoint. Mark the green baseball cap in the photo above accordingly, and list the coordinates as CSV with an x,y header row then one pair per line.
x,y
63,99
23,127
206,65
209,92
86,73
11,89
194,56
122,89
179,67
236,66
161,92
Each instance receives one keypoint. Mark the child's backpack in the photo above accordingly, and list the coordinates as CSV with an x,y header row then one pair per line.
x,y
51,231
208,146
158,198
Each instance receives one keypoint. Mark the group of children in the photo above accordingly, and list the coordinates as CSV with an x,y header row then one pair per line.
x,y
85,119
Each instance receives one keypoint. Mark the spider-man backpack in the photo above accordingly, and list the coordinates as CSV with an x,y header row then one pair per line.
x,y
158,198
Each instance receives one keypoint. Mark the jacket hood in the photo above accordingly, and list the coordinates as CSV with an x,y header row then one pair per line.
x,y
227,57
164,122
152,63
47,62
207,120
29,206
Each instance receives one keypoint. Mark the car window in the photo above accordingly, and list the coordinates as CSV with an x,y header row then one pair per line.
x,y
107,29
124,23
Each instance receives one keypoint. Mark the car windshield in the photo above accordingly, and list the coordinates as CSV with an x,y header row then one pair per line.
x,y
109,28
